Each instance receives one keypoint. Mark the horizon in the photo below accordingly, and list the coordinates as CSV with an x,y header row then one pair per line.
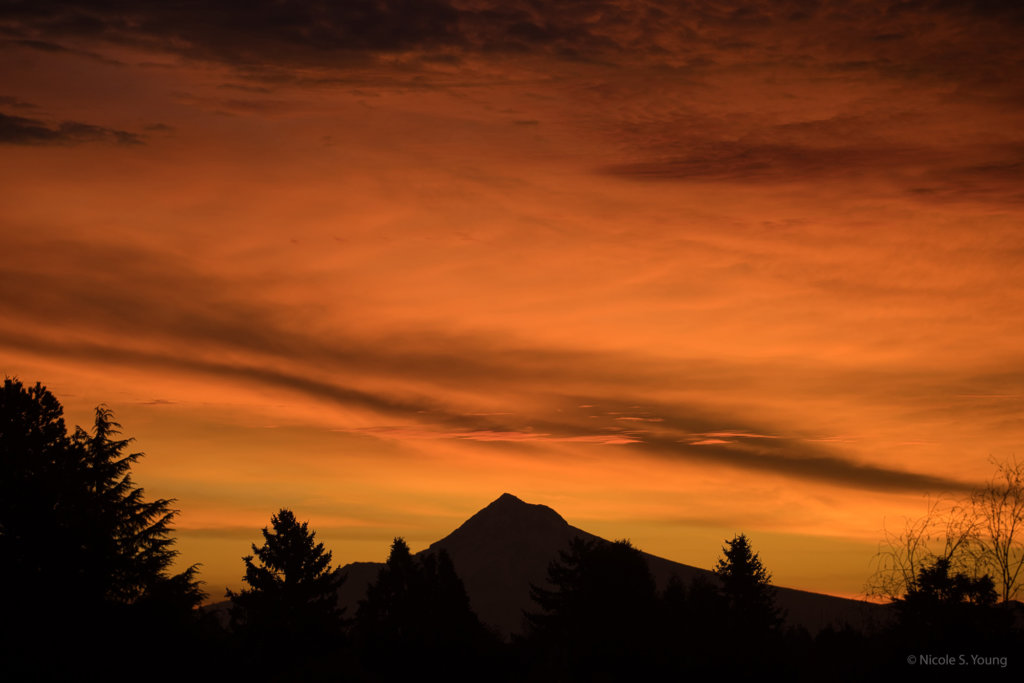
x,y
676,272
506,494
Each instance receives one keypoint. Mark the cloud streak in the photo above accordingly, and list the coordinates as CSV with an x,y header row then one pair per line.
x,y
789,458
434,402
20,130
326,33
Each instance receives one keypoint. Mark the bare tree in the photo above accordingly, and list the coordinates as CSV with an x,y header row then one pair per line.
x,y
998,511
945,532
980,534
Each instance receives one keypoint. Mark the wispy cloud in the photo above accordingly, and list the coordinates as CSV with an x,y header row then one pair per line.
x,y
19,130
433,387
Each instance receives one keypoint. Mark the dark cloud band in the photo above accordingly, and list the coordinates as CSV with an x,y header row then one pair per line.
x,y
118,325
19,130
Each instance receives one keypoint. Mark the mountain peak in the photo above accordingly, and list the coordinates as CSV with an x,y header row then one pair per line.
x,y
509,502
508,510
501,550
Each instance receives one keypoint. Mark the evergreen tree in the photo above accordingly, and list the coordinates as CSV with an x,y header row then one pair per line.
x,y
132,547
293,591
746,585
598,618
946,608
83,551
694,634
393,602
418,607
37,467
753,621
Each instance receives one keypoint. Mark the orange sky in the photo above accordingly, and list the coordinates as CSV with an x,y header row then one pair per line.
x,y
677,273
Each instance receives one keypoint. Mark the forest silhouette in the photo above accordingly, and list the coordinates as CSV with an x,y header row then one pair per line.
x,y
88,590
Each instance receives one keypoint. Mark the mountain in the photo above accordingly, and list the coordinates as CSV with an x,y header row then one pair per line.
x,y
500,551
506,546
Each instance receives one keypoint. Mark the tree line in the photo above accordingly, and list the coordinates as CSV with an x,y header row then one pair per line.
x,y
88,589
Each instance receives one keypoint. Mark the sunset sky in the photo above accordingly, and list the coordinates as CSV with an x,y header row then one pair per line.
x,y
675,269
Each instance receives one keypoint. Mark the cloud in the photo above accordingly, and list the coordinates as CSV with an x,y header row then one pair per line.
x,y
733,161
266,33
862,148
786,457
19,130
177,319
261,32
791,457
894,34
7,101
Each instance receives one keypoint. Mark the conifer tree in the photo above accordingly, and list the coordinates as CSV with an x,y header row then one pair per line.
x,y
418,606
293,591
72,518
746,585
84,553
136,551
598,619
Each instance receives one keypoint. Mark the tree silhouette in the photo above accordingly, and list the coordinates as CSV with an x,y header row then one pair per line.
x,y
132,539
394,603
599,615
752,618
695,631
946,607
998,508
292,587
979,534
83,551
746,585
948,530
418,606
288,623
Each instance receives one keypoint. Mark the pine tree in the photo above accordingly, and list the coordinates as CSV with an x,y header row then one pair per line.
x,y
418,606
132,545
36,470
394,605
746,585
293,591
84,552
599,617
72,518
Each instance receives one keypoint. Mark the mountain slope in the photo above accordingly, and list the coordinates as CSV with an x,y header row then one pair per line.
x,y
506,546
500,551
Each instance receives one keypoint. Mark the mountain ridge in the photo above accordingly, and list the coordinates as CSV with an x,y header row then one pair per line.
x,y
507,545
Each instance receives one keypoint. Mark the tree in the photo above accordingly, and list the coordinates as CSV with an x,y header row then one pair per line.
x,y
981,533
945,608
71,517
139,550
293,591
746,585
418,606
945,532
695,630
998,509
599,617
36,464
935,584
393,602
83,551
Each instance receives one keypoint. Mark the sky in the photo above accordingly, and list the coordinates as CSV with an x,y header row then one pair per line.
x,y
678,270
